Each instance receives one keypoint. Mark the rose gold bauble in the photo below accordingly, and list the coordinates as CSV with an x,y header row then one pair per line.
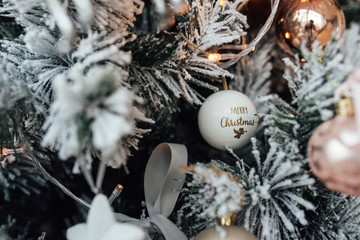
x,y
232,233
308,20
334,154
226,231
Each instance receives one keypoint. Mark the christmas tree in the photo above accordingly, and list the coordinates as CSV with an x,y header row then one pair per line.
x,y
89,88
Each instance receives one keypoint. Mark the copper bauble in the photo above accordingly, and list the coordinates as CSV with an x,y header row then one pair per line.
x,y
334,154
232,233
308,20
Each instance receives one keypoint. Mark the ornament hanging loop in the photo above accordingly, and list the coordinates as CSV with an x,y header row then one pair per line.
x,y
224,82
345,107
228,220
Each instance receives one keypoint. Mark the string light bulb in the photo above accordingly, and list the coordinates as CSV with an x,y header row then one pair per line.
x,y
4,152
221,3
116,192
9,151
214,57
287,35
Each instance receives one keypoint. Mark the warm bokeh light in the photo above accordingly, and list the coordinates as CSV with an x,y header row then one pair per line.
x,y
214,57
303,60
287,35
221,3
253,49
8,151
4,152
119,187
291,115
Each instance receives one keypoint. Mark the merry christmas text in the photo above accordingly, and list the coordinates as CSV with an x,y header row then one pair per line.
x,y
226,122
238,110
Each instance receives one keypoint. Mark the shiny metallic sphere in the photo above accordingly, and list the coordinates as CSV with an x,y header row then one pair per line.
x,y
308,20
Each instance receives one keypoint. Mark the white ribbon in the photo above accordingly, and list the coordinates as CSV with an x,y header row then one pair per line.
x,y
162,184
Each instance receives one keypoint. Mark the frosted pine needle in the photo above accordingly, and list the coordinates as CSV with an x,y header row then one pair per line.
x,y
219,193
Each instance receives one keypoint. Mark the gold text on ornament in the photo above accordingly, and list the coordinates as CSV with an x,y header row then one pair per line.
x,y
238,110
239,132
226,122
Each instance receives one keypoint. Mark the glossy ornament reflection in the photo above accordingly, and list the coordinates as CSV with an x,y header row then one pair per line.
x,y
231,233
308,20
334,151
228,231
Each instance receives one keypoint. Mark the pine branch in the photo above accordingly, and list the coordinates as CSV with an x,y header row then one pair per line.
x,y
312,85
171,69
42,55
252,73
272,188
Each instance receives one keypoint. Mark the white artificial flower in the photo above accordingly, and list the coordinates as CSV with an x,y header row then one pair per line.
x,y
101,225
90,110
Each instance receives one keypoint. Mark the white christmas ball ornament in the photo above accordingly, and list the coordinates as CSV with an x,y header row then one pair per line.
x,y
227,118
